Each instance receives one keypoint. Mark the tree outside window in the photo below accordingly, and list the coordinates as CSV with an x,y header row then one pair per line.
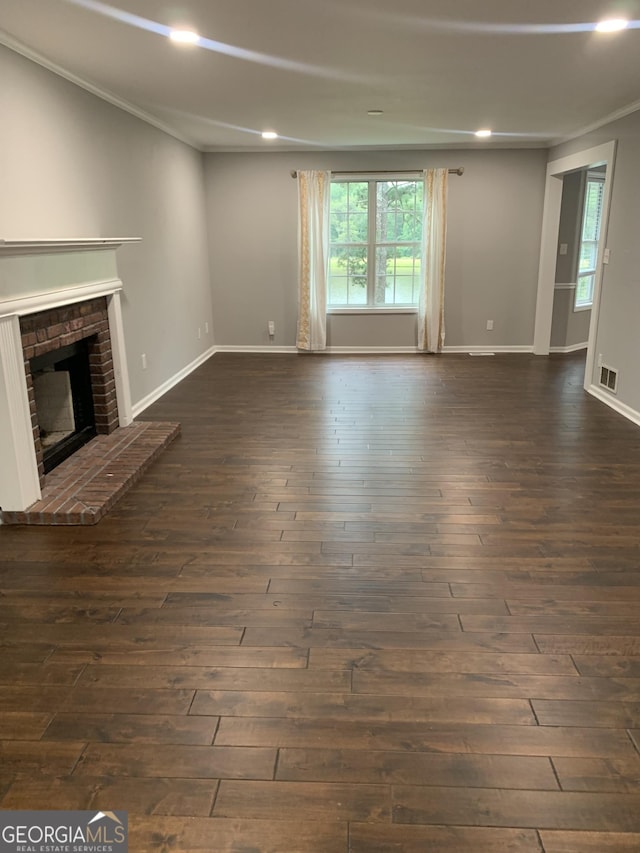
x,y
375,242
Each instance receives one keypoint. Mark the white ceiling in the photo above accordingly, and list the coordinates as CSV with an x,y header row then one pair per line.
x,y
311,69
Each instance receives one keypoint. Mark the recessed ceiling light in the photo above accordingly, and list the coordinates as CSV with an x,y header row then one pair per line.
x,y
375,112
483,133
269,134
184,36
612,25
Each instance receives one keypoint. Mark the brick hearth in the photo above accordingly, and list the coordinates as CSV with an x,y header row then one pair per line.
x,y
86,485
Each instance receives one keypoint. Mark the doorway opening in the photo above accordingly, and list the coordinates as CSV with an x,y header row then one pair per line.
x,y
576,264
599,156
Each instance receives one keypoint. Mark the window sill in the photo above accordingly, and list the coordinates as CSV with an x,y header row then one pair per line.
x,y
409,309
577,308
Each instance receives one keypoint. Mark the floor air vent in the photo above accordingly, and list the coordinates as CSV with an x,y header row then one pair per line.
x,y
609,378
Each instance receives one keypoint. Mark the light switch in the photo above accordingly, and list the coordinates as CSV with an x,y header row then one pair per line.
x,y
564,247
605,256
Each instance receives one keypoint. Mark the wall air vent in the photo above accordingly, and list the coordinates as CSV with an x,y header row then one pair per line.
x,y
609,378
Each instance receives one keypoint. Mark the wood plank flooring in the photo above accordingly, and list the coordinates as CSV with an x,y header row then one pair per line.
x,y
361,605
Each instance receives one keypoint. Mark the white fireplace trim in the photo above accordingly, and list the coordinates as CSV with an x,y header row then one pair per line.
x,y
119,355
59,298
62,244
19,482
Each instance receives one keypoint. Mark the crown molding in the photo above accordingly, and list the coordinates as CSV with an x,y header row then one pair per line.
x,y
16,46
623,112
19,47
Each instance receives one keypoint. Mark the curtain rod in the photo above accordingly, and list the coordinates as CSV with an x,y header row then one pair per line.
x,y
458,171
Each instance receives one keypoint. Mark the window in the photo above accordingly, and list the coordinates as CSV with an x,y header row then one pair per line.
x,y
590,236
375,243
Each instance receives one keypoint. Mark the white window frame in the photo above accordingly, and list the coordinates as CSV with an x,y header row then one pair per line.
x,y
587,305
371,245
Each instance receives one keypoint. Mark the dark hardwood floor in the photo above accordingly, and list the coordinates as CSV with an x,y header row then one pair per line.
x,y
361,605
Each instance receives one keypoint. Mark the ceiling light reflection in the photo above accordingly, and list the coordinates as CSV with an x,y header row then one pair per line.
x,y
462,27
612,25
184,36
220,47
207,121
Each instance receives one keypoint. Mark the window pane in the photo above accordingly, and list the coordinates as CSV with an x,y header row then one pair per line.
x,y
338,226
398,224
358,195
348,220
357,293
348,276
584,290
592,210
397,227
588,256
357,228
591,218
348,212
398,211
397,275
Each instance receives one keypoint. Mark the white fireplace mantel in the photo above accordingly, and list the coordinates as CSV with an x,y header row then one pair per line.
x,y
37,275
62,244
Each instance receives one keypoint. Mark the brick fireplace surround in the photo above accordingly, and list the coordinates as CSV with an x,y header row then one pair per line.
x,y
82,301
50,330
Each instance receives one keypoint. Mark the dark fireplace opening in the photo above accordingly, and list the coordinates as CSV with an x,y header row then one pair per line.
x,y
64,401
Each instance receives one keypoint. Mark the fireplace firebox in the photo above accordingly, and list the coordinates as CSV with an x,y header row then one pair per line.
x,y
64,401
70,379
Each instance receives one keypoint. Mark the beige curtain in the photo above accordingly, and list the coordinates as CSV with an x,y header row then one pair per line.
x,y
313,258
434,238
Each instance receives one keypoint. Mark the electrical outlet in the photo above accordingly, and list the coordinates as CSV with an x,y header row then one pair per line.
x,y
489,325
144,361
199,332
564,247
272,328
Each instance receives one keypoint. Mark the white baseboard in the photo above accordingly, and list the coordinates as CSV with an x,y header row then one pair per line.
x,y
143,404
615,404
371,350
260,348
488,348
572,348
327,351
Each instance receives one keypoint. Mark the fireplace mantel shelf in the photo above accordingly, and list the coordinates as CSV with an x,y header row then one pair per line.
x,y
62,244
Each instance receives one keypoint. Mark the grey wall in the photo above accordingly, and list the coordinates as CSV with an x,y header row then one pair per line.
x,y
492,251
570,222
72,165
568,327
618,335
